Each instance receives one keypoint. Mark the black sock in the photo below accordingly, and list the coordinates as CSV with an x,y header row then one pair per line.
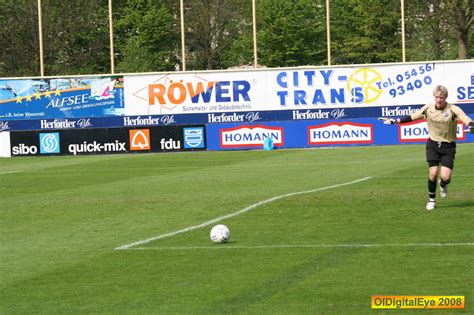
x,y
443,183
432,189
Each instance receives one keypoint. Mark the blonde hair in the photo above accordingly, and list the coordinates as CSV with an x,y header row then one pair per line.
x,y
441,89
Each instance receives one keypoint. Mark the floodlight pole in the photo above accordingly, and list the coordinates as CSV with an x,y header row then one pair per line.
x,y
111,38
328,32
402,9
183,52
40,39
254,23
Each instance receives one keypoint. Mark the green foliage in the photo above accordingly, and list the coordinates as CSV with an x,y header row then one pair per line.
x,y
146,37
428,36
75,37
239,54
365,31
291,33
18,38
439,29
461,14
471,43
219,34
217,30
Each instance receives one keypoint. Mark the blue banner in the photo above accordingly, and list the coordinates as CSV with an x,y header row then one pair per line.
x,y
319,133
61,98
213,118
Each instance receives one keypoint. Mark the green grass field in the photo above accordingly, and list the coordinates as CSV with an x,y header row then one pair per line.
x,y
62,218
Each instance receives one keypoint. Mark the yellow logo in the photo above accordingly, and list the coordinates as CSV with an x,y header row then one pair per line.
x,y
365,79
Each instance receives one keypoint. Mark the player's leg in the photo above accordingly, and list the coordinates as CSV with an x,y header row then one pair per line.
x,y
447,164
433,171
444,180
432,177
433,158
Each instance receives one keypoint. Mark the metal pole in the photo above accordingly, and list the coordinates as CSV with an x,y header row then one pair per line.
x,y
402,4
328,32
111,38
183,52
40,35
254,17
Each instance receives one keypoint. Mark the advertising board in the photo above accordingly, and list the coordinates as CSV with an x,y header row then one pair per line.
x,y
108,140
61,98
360,88
319,133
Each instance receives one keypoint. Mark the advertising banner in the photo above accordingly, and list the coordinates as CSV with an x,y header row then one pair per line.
x,y
210,118
350,88
61,98
319,133
61,123
218,97
108,141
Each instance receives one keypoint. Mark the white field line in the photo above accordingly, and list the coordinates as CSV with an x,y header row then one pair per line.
x,y
239,212
293,246
11,172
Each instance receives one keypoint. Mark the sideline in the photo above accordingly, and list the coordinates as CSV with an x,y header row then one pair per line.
x,y
228,246
234,214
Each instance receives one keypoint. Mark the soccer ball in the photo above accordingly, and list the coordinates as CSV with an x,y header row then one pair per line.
x,y
220,234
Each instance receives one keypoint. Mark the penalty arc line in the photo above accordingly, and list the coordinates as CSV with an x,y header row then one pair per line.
x,y
239,212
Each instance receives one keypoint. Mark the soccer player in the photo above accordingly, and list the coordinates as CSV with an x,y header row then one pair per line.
x,y
441,118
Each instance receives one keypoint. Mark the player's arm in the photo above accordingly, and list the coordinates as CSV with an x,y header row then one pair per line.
x,y
465,119
419,114
393,121
471,127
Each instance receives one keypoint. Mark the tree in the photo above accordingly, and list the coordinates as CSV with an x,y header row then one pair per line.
x,y
470,45
291,33
19,38
146,36
439,29
463,19
75,37
214,31
428,35
219,34
365,31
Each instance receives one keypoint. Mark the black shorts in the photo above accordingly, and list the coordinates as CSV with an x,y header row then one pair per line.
x,y
440,153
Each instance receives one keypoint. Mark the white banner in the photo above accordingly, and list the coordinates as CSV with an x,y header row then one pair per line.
x,y
297,88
